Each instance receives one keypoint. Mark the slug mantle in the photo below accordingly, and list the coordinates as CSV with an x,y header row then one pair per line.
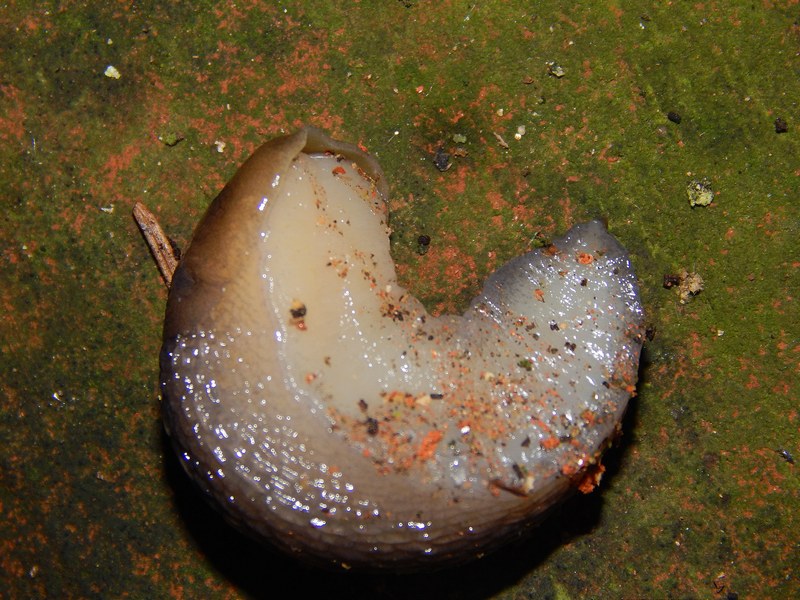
x,y
324,411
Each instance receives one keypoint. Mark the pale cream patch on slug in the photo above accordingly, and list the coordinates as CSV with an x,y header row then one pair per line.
x,y
327,412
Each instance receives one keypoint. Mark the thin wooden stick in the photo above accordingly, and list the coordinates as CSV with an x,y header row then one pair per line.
x,y
157,241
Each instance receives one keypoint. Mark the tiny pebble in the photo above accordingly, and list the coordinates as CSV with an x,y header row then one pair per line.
x,y
111,71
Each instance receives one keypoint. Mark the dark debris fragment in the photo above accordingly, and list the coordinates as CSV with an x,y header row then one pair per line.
x,y
674,117
441,159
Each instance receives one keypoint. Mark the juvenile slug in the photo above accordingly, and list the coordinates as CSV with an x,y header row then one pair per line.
x,y
325,411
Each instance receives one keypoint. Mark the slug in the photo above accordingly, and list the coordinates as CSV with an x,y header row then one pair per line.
x,y
324,411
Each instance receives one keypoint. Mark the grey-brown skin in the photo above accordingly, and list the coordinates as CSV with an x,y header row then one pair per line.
x,y
285,471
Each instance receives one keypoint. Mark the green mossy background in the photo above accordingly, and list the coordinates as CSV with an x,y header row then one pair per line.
x,y
700,499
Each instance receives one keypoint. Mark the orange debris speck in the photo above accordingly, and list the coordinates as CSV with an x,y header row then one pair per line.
x,y
568,469
550,443
428,445
592,479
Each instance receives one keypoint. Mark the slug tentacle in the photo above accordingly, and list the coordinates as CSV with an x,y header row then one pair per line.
x,y
323,409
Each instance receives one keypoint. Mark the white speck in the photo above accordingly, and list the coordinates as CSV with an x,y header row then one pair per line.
x,y
220,146
111,71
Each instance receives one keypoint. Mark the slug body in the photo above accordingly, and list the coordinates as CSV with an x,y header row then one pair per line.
x,y
326,412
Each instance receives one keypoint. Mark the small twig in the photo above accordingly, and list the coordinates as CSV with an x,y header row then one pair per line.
x,y
500,140
157,241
